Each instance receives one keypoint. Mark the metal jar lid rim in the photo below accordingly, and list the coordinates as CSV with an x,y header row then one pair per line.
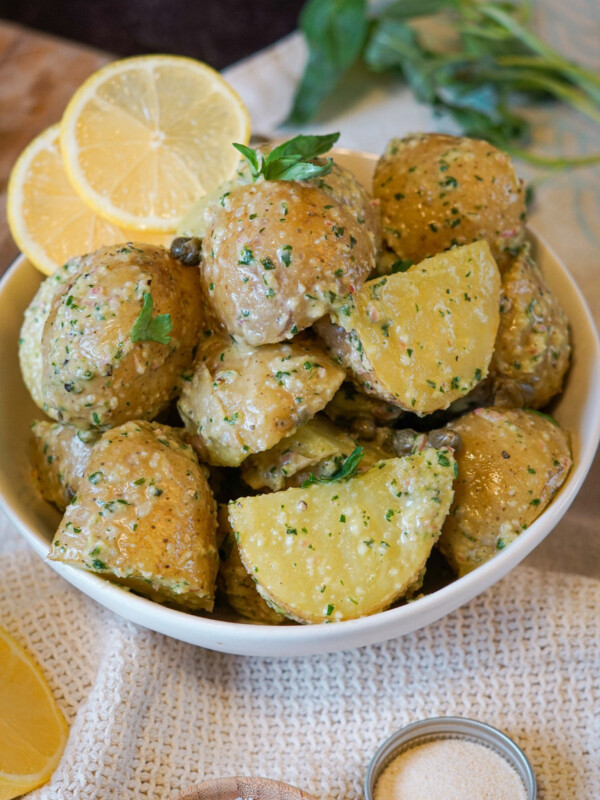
x,y
436,728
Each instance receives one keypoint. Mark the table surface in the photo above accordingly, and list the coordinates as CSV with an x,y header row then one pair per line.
x,y
39,73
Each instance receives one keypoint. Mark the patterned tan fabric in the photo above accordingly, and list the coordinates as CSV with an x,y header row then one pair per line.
x,y
150,716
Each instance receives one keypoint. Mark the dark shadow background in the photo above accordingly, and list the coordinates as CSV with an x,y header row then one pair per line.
x,y
219,32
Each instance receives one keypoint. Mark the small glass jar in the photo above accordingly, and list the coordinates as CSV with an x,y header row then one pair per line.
x,y
470,730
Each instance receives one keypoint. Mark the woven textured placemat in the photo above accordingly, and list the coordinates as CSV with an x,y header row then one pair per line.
x,y
150,716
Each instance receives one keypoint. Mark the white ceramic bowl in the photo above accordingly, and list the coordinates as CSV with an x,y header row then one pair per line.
x,y
578,410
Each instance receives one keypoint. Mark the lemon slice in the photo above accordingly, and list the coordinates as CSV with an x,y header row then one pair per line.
x,y
48,220
145,137
33,732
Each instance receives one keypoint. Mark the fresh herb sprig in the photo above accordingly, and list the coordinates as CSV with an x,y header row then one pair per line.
x,y
347,470
292,160
145,328
493,58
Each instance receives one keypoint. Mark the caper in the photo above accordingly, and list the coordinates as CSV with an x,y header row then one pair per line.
x,y
444,437
363,427
404,441
509,393
187,249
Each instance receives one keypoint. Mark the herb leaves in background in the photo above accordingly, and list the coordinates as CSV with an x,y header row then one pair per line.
x,y
487,60
291,161
147,329
347,470
336,31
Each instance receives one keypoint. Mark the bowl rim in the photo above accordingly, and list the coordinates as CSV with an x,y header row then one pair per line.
x,y
246,638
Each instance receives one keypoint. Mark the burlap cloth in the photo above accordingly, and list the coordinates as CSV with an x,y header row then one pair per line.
x,y
150,715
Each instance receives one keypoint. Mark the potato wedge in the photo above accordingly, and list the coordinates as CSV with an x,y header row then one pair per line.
x,y
235,584
243,400
144,517
423,338
511,463
350,548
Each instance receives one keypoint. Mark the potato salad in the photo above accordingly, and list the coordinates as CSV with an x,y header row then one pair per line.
x,y
320,395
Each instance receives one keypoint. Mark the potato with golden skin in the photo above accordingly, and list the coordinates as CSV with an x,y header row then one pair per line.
x,y
437,191
340,184
532,349
510,464
32,329
144,517
59,457
243,400
107,355
279,255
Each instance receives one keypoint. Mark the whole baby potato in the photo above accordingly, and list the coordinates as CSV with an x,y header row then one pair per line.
x,y
339,183
511,462
144,517
119,335
437,191
278,256
243,400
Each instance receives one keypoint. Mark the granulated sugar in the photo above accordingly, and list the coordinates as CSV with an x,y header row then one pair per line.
x,y
449,769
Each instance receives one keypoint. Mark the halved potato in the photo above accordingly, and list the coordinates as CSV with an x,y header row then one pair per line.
x,y
236,585
349,548
144,516
423,338
278,256
511,463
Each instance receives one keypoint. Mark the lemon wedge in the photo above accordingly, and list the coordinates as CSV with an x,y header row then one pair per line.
x,y
143,138
33,732
48,220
